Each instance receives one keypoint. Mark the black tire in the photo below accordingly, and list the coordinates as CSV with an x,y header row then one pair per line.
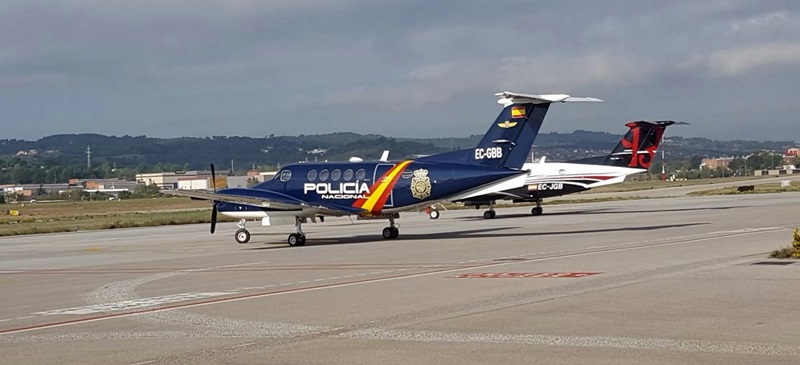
x,y
537,211
395,232
294,239
302,241
434,214
388,233
489,214
242,236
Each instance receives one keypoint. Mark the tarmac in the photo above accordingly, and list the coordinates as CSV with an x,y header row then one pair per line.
x,y
678,280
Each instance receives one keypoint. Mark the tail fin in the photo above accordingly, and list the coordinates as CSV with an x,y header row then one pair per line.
x,y
637,148
511,135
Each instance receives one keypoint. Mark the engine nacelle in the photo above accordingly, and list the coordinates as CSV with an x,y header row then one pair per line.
x,y
270,221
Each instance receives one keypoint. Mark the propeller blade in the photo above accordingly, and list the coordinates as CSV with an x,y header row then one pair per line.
x,y
214,218
213,182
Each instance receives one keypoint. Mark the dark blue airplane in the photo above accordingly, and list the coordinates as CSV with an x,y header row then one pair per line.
x,y
381,190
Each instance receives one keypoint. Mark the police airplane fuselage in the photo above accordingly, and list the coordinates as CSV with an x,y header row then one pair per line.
x,y
305,192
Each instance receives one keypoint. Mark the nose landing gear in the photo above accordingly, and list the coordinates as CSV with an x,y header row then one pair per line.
x,y
242,235
537,210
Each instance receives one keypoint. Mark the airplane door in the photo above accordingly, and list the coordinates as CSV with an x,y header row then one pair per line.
x,y
381,169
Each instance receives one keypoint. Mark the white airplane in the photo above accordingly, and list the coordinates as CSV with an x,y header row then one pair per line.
x,y
633,155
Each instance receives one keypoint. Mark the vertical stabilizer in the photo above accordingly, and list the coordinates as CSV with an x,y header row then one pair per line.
x,y
509,138
637,148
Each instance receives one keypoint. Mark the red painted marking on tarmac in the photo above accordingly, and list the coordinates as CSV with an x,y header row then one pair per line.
x,y
518,275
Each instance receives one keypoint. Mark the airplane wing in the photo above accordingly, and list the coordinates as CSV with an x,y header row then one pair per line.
x,y
264,199
500,185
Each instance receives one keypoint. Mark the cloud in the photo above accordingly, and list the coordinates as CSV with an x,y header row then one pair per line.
x,y
572,72
213,67
439,83
737,61
760,22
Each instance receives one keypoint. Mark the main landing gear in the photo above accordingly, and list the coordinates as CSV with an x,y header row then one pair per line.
x,y
490,214
298,238
242,235
391,232
537,210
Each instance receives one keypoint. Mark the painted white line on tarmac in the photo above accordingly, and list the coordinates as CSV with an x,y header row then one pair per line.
x,y
756,349
132,304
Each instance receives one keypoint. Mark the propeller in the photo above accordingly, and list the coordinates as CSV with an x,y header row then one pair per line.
x,y
214,208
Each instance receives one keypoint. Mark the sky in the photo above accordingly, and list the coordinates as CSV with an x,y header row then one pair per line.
x,y
397,68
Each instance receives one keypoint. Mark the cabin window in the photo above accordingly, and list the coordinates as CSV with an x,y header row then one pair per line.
x,y
323,175
312,175
361,174
286,175
348,174
336,175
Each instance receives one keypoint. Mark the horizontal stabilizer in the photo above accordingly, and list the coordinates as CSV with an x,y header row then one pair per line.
x,y
507,98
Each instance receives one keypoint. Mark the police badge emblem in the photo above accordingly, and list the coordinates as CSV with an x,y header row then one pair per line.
x,y
421,184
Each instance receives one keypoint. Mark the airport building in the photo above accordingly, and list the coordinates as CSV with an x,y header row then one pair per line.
x,y
713,163
791,155
260,176
104,184
169,180
784,170
32,189
205,183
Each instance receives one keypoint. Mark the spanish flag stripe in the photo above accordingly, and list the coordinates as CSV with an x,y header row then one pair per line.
x,y
375,185
385,195
518,112
384,187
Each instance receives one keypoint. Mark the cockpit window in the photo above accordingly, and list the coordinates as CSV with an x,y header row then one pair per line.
x,y
361,174
348,174
312,175
286,175
336,174
323,175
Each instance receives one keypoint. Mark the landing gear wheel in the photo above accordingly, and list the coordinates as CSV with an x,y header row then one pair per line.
x,y
390,233
242,236
537,211
296,239
434,214
489,214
